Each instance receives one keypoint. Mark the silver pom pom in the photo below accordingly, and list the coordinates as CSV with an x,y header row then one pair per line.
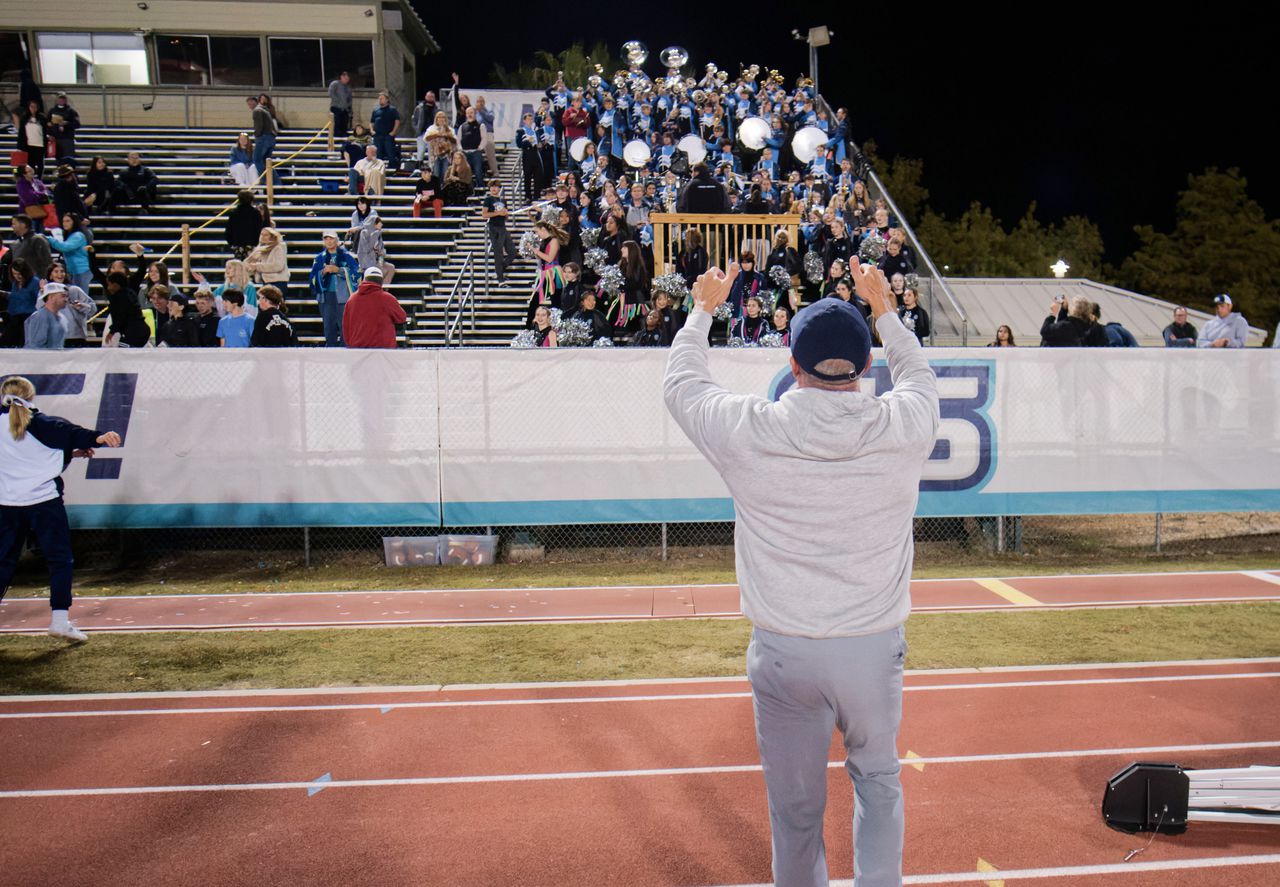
x,y
724,311
595,259
524,339
573,333
555,316
766,297
611,280
736,342
779,277
673,285
603,342
872,247
529,242
590,237
813,267
913,281
771,340
551,215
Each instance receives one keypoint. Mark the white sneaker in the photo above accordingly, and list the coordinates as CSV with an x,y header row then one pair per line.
x,y
68,631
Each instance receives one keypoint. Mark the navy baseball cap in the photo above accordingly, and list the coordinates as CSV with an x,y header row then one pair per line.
x,y
831,329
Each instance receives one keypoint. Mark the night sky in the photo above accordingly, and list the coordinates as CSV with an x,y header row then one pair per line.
x,y
1101,117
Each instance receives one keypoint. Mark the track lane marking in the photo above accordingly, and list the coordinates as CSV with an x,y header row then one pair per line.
x,y
587,700
1009,593
571,776
1262,575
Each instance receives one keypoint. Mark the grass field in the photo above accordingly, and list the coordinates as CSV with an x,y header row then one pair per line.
x,y
668,649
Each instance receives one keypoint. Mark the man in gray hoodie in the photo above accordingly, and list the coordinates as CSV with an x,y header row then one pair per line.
x,y
824,569
1226,329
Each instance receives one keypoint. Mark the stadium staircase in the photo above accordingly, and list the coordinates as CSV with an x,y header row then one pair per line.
x,y
194,185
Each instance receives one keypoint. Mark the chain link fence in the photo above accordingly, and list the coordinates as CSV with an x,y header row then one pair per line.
x,y
1066,543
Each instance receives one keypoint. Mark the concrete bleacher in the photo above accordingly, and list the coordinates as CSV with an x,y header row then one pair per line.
x,y
194,185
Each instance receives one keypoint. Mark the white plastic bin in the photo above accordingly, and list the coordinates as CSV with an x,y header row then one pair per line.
x,y
474,551
411,551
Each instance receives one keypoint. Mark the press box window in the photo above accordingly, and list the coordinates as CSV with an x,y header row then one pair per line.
x,y
119,59
353,56
13,56
302,62
209,61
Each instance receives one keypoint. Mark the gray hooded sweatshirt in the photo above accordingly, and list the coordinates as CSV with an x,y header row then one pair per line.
x,y
824,485
1233,328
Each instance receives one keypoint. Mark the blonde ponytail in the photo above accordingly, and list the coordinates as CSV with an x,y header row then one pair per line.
x,y
17,393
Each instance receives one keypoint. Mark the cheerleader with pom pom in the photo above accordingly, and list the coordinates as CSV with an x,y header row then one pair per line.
x,y
752,325
34,451
550,279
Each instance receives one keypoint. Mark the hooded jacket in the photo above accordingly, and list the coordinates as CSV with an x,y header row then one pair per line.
x,y
1233,328
833,557
370,318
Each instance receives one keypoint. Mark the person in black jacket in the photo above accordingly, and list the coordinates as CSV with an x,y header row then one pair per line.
x,y
206,320
100,186
66,193
895,259
703,194
64,120
138,184
244,225
122,307
1063,328
181,330
782,254
571,293
587,311
839,247
271,328
913,316
692,259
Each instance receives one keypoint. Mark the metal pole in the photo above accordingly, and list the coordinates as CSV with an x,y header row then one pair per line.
x,y
271,186
664,540
1159,527
186,254
1000,534
813,66
306,546
186,105
104,104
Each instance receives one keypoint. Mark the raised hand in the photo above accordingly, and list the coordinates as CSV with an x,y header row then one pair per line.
x,y
712,287
872,286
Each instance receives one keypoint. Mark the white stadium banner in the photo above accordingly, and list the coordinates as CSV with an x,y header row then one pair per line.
x,y
508,107
504,437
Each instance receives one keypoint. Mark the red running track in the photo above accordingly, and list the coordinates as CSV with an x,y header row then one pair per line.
x,y
470,606
642,783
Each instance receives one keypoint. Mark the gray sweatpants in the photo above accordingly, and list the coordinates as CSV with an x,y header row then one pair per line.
x,y
802,688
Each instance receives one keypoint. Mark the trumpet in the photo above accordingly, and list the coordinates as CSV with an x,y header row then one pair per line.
x,y
804,82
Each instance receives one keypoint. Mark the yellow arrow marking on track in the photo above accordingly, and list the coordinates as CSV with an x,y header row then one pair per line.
x,y
911,760
1009,593
984,866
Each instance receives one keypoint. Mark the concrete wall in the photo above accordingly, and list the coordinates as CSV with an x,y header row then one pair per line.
x,y
300,109
275,17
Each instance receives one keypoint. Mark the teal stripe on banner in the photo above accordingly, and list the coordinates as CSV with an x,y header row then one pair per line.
x,y
255,514
1106,502
586,511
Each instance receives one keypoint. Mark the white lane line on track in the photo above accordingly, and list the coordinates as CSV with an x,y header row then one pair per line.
x,y
1078,871
630,682
585,700
1263,575
571,776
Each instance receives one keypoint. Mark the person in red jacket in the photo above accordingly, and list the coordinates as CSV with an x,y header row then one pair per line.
x,y
371,315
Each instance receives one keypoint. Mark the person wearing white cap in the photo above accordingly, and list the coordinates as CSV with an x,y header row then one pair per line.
x,y
824,571
371,315
44,329
1226,329
334,273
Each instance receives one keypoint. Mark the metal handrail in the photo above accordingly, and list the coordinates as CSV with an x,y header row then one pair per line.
x,y
466,302
915,244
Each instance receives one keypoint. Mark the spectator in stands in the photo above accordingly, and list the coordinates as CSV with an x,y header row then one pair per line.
x,y
265,101
157,310
441,143
672,316
897,286
181,331
264,137
692,259
371,314
470,135
895,260
494,212
243,172
235,277
334,273
43,329
457,181
206,320
28,245
571,292
64,120
587,312
526,139
385,122
33,197
128,328
80,308
24,291
100,186
424,115
752,325
32,135
73,245
66,193
637,208
485,118
749,282
651,335
835,274
426,193
244,225
1116,335
550,279
1096,336
1065,328
1004,338
782,325
1226,329
544,334
839,246
340,104
369,247
138,184
371,170
147,274
235,329
268,262
354,146
1180,333
913,315
703,194
784,254
271,328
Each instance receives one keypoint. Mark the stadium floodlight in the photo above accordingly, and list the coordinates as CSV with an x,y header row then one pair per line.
x,y
819,36
1150,797
1060,268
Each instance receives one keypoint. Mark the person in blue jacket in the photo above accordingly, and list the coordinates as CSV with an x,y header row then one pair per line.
x,y
24,288
74,249
335,274
34,451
